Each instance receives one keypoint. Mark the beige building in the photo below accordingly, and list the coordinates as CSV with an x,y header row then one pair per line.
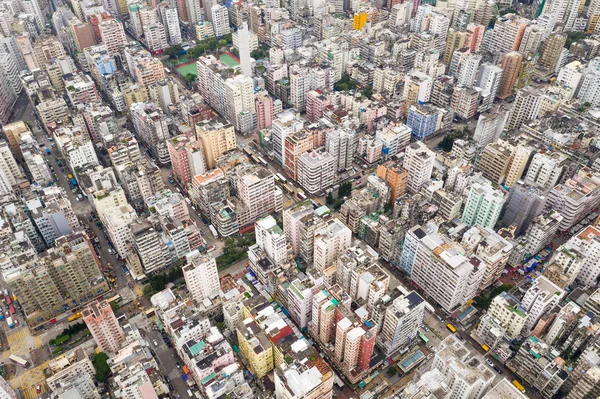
x,y
217,136
509,312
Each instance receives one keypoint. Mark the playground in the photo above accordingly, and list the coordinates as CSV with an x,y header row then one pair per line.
x,y
229,59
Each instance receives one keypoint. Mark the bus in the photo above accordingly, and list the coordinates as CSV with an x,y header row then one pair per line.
x,y
20,361
262,162
301,195
276,178
116,299
281,178
518,386
74,316
451,328
423,337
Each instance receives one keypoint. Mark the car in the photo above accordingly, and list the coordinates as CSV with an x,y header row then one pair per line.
x,y
38,388
489,362
155,343
178,365
498,370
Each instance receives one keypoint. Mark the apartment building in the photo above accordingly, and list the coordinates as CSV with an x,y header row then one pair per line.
x,y
403,316
151,127
102,323
217,137
316,171
539,299
418,162
331,239
201,276
483,206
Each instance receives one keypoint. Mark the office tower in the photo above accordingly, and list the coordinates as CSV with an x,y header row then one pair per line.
x,y
483,206
341,144
511,68
220,20
441,269
524,203
217,137
150,124
243,35
488,81
508,310
403,316
113,36
201,276
291,222
316,171
489,127
418,162
540,298
551,51
102,323
526,106
331,239
257,191
576,197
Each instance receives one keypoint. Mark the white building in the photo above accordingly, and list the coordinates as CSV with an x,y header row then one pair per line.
x,y
316,171
117,221
394,138
201,276
287,122
489,127
170,19
331,240
418,162
402,319
539,299
220,20
442,270
545,170
510,313
271,239
156,37
244,37
10,172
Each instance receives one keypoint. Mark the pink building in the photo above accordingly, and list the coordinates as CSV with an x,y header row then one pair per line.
x,y
264,111
102,323
474,37
316,103
179,157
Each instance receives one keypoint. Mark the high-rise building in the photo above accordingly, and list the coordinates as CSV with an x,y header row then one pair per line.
x,y
575,198
508,310
341,144
540,298
511,68
507,34
316,171
520,158
257,191
264,111
440,268
271,239
526,106
291,222
331,239
467,72
217,137
286,123
396,177
220,20
418,162
201,276
243,35
295,145
113,36
551,51
545,170
524,203
102,323
170,20
537,237
483,206
489,127
151,127
488,80
423,120
394,138
403,315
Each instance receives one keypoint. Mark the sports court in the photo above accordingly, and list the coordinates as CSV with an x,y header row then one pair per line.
x,y
229,59
187,69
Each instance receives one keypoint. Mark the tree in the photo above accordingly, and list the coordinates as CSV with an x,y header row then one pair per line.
x,y
189,79
368,92
344,84
329,199
392,371
235,52
174,51
100,363
573,37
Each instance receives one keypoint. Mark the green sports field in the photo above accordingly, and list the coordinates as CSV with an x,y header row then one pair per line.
x,y
228,60
189,69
